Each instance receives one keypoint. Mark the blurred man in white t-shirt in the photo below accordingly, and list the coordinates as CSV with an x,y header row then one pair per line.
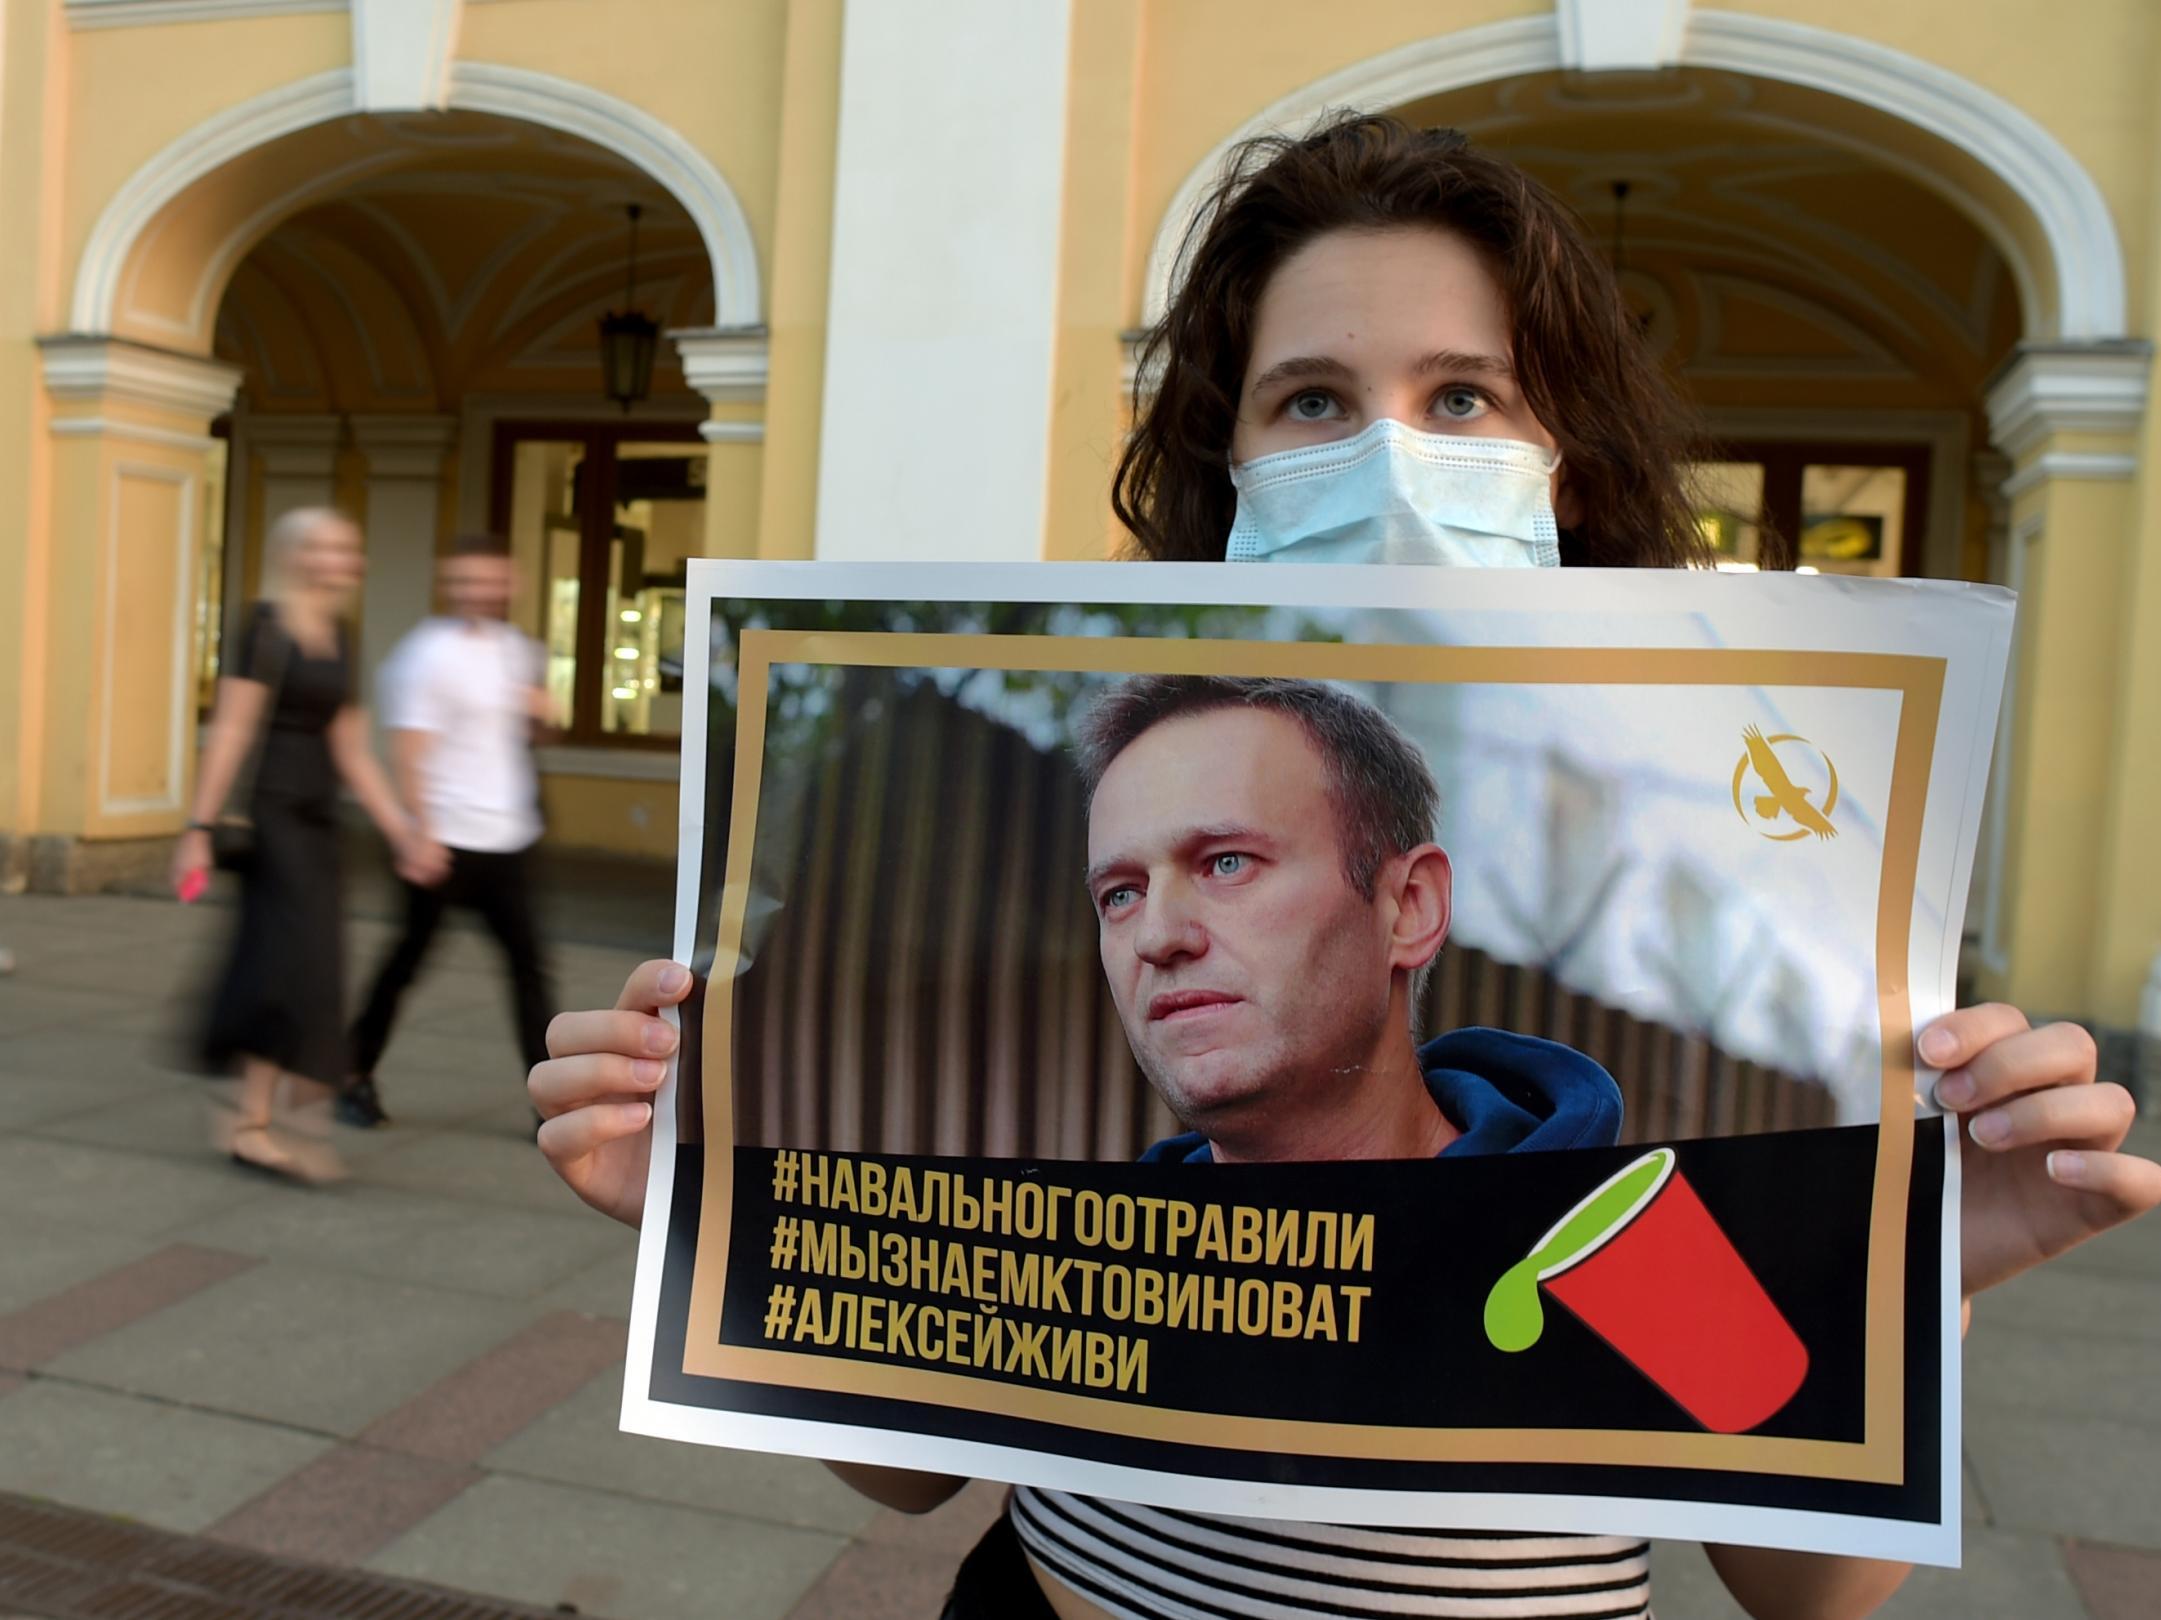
x,y
460,696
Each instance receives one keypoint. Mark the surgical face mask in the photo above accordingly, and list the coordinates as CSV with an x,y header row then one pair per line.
x,y
1395,495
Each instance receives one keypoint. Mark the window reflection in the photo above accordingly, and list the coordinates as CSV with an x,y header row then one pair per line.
x,y
210,577
546,529
602,589
659,527
1729,510
1853,519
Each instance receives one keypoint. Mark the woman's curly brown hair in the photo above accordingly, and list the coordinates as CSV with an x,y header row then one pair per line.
x,y
1624,435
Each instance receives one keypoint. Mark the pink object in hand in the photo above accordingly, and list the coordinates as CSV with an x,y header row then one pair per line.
x,y
192,887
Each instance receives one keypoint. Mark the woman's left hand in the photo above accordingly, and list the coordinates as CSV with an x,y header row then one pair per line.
x,y
2042,1174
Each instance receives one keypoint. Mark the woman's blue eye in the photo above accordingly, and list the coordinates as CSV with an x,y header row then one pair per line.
x,y
1314,405
1461,403
1227,865
1114,898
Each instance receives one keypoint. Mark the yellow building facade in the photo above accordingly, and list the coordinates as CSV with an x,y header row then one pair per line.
x,y
272,253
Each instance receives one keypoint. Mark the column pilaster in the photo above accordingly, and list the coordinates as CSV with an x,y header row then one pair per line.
x,y
131,495
403,459
939,361
729,365
2067,417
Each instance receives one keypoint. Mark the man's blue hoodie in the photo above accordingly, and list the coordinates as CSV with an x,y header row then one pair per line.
x,y
1505,1093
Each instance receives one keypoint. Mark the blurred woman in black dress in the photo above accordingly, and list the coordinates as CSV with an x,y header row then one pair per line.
x,y
286,711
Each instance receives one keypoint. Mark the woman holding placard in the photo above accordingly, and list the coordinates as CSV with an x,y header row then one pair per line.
x,y
1386,346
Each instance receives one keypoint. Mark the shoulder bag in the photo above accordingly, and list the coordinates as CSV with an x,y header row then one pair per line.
x,y
232,835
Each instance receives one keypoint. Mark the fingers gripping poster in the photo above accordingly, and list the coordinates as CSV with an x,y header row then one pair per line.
x,y
1386,1046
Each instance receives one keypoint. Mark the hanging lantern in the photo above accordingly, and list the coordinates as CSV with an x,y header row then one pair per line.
x,y
1641,317
628,339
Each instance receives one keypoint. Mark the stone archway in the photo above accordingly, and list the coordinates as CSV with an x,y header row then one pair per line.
x,y
135,386
2064,412
139,218
2065,251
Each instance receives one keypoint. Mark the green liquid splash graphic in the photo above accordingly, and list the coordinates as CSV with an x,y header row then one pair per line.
x,y
1514,1316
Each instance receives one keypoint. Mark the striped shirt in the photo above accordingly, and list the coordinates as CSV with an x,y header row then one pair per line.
x,y
1141,1563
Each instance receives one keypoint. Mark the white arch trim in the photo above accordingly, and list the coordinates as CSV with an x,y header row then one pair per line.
x,y
535,98
2084,252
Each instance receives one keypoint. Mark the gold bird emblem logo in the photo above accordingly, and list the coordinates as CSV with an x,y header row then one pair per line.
x,y
1781,811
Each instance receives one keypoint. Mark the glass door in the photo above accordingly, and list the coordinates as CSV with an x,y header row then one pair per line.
x,y
602,520
659,502
1822,508
546,535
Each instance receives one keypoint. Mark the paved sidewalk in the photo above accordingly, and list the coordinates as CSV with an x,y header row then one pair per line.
x,y
416,1372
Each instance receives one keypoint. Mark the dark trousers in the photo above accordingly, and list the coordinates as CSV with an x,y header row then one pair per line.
x,y
995,1582
498,886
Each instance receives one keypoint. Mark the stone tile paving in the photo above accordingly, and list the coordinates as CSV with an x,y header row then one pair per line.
x,y
176,1467
2118,1583
548,1543
416,1373
300,1345
36,1334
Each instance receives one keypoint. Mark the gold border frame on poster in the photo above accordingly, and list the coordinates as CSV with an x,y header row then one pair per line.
x,y
1878,1458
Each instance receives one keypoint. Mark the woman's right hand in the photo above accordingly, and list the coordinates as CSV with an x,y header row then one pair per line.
x,y
420,860
594,1092
191,855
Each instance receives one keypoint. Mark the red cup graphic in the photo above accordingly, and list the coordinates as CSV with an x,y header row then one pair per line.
x,y
1642,1264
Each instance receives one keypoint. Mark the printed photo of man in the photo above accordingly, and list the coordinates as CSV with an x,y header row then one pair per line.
x,y
1268,894
1269,900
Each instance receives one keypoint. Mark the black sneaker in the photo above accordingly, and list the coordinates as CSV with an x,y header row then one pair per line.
x,y
359,1106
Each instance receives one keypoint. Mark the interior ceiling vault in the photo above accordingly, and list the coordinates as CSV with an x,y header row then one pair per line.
x,y
1763,246
478,256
